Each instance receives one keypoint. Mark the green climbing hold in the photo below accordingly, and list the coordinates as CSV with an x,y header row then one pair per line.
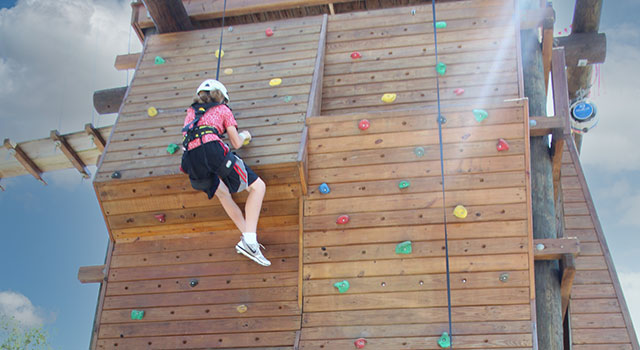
x,y
137,314
404,184
441,25
445,341
342,286
441,68
172,148
480,114
403,247
419,151
287,98
159,60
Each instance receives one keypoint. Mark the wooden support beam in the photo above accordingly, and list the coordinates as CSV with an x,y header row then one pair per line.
x,y
561,107
168,15
109,100
1,188
91,274
128,61
332,11
547,47
296,344
555,248
26,162
315,94
545,125
95,136
302,161
568,267
69,153
584,48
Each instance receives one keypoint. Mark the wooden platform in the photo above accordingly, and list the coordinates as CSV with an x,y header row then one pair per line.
x,y
599,317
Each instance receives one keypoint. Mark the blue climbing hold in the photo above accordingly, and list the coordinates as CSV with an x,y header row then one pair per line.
x,y
419,151
324,188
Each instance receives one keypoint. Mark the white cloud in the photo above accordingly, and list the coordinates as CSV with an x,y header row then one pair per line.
x,y
18,306
630,282
53,56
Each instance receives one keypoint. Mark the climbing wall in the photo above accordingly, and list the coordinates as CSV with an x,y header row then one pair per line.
x,y
199,293
139,179
392,51
386,179
599,317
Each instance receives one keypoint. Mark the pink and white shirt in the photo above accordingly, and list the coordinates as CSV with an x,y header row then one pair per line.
x,y
219,117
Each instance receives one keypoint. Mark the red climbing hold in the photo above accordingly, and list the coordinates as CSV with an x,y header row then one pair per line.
x,y
269,32
363,124
355,55
458,91
160,217
342,219
502,145
360,343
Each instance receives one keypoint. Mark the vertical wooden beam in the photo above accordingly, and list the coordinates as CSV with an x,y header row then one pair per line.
x,y
26,162
547,47
69,152
568,275
332,11
300,250
96,137
301,160
561,106
93,345
168,15
547,283
315,94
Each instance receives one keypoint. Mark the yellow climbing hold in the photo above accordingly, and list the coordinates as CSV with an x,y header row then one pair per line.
x,y
242,308
388,98
460,212
228,71
275,82
219,54
152,111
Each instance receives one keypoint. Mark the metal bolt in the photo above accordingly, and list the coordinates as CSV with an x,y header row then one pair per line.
x,y
421,282
464,280
116,175
413,12
384,284
504,277
193,283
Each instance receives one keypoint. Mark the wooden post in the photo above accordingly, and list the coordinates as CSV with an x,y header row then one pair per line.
x,y
168,15
547,281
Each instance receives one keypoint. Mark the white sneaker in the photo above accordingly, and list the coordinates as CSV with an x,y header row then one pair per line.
x,y
252,251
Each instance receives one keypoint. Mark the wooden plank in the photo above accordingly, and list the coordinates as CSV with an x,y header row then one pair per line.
x,y
101,296
222,311
188,327
593,291
263,340
92,274
590,306
168,16
431,231
95,136
128,61
597,321
315,94
238,296
462,341
461,314
69,152
415,266
568,267
601,336
26,162
545,125
555,248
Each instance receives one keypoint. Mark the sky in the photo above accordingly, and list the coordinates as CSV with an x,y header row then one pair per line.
x,y
54,54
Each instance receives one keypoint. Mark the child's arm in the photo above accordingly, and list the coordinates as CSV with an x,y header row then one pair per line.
x,y
234,137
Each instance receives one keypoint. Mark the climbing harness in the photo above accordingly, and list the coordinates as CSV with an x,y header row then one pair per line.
x,y
441,120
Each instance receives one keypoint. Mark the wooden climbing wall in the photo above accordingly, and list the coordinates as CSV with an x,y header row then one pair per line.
x,y
150,182
599,317
478,46
400,301
157,277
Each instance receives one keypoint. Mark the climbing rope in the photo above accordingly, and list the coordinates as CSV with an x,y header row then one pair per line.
x,y
224,12
441,120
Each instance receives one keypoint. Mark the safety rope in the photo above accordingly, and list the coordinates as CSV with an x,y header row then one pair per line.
x,y
224,12
441,120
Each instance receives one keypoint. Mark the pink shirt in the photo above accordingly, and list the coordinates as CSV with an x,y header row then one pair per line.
x,y
219,117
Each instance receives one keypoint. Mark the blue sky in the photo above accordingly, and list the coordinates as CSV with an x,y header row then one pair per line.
x,y
47,232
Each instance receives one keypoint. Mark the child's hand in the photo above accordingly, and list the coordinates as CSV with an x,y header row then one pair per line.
x,y
245,136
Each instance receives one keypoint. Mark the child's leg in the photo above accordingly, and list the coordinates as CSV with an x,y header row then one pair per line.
x,y
254,204
231,207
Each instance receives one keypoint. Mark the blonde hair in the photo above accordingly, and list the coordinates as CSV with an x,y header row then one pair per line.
x,y
209,97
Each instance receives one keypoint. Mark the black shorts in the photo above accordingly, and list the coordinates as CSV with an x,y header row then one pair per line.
x,y
201,163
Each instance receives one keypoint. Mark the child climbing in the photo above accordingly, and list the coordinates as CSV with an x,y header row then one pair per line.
x,y
208,160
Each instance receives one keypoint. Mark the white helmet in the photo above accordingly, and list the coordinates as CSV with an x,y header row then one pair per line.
x,y
212,85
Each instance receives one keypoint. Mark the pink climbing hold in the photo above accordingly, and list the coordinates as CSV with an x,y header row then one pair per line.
x,y
161,217
363,124
269,32
360,343
355,55
458,91
502,145
342,219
